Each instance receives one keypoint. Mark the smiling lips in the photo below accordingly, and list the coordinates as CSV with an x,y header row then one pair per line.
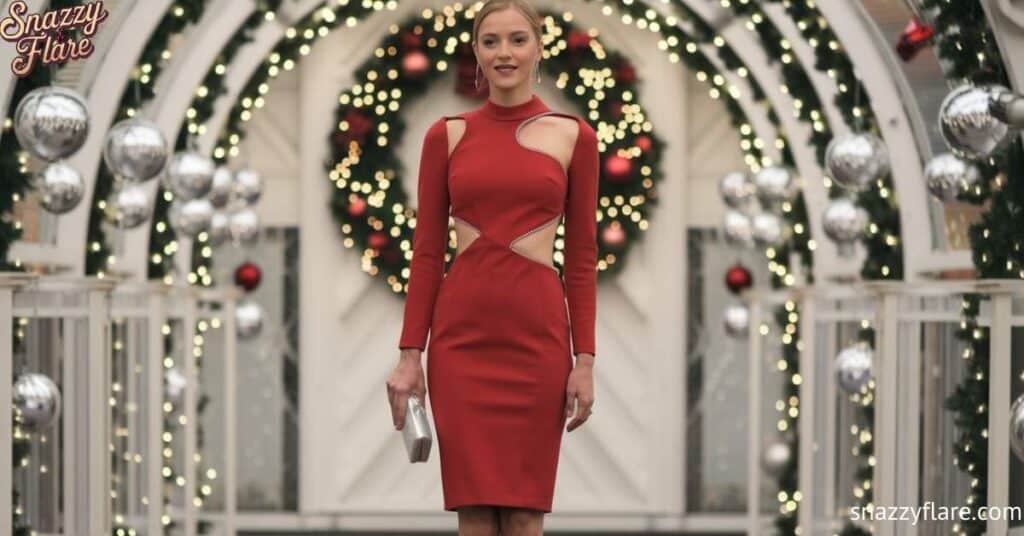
x,y
505,69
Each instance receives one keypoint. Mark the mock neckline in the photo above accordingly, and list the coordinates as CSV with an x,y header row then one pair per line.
x,y
512,113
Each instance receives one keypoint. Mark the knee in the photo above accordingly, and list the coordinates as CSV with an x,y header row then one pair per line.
x,y
523,521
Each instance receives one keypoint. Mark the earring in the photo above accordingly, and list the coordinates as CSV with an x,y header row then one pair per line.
x,y
478,76
537,68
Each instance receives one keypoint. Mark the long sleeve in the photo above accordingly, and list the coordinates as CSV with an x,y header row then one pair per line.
x,y
430,237
580,271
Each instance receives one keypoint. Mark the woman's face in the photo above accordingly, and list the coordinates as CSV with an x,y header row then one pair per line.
x,y
506,48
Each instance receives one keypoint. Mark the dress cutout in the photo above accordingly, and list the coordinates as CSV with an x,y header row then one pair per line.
x,y
503,324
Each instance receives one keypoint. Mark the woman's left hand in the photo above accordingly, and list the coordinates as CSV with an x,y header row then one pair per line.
x,y
579,394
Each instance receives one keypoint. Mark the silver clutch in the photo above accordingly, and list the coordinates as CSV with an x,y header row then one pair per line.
x,y
416,431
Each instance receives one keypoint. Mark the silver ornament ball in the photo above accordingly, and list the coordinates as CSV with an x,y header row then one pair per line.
x,y
222,187
737,229
967,124
853,367
948,175
60,187
844,223
51,122
736,189
248,319
775,458
175,383
244,225
136,149
130,206
1008,108
248,186
854,160
37,401
768,229
219,231
189,175
1017,427
736,320
189,218
775,185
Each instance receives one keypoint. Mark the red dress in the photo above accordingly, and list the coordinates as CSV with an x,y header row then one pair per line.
x,y
500,322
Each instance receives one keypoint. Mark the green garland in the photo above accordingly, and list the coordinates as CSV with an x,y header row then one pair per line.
x,y
973,56
884,250
151,62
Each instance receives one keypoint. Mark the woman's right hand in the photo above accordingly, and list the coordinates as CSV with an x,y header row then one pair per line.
x,y
406,379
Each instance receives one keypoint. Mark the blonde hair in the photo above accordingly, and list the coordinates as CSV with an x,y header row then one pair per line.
x,y
523,6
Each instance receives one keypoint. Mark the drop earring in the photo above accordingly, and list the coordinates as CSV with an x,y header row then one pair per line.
x,y
537,69
478,77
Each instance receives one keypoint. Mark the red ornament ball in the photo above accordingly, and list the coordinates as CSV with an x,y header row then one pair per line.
x,y
248,276
617,167
378,240
626,73
915,36
614,235
415,64
578,39
357,207
411,40
644,143
738,278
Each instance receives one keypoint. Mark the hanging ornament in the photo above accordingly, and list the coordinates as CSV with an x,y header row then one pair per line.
x,y
357,207
853,367
775,458
618,168
51,122
967,125
625,73
415,64
854,161
191,217
844,223
248,276
738,278
354,127
60,187
378,240
175,383
37,401
915,36
411,40
135,150
736,188
222,187
767,229
1017,427
1008,108
738,229
614,236
578,40
644,143
244,226
129,206
774,185
467,72
736,320
248,186
219,232
947,176
189,175
248,319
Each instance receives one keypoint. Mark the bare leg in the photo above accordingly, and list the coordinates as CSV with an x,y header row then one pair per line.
x,y
478,520
521,521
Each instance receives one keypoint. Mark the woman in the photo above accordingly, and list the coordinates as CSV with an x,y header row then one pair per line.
x,y
501,320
